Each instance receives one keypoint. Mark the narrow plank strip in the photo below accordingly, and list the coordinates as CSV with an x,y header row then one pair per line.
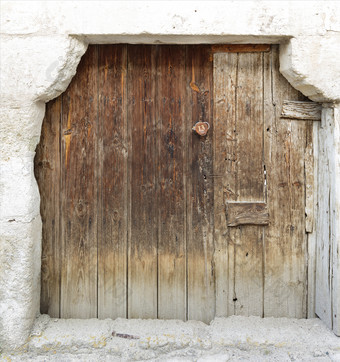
x,y
240,48
142,263
248,240
324,248
242,213
79,209
225,67
309,180
171,245
334,205
285,246
47,173
313,235
301,110
200,246
112,144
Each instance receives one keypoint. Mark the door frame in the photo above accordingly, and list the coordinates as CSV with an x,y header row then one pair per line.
x,y
328,152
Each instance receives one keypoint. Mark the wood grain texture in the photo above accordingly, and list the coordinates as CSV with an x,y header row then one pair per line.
x,y
312,236
225,174
324,247
240,48
309,179
171,97
142,263
112,170
79,201
301,110
134,202
285,238
243,213
47,172
334,123
248,240
200,244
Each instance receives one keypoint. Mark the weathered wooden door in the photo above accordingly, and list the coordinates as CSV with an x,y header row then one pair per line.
x,y
142,217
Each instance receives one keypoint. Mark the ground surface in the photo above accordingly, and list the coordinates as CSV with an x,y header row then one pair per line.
x,y
225,339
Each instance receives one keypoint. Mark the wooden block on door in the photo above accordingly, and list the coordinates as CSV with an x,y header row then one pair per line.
x,y
247,213
299,110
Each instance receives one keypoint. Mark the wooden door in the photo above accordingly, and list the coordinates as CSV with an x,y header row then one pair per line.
x,y
144,218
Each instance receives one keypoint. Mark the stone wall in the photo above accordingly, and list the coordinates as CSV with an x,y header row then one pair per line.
x,y
41,45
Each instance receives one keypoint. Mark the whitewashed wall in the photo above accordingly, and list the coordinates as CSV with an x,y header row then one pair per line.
x,y
41,45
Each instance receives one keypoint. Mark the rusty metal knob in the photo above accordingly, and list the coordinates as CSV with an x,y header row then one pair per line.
x,y
201,128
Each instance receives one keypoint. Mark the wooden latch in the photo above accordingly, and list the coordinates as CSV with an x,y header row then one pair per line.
x,y
243,213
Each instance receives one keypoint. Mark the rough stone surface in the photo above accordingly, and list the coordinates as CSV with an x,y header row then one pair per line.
x,y
20,290
225,339
300,61
41,45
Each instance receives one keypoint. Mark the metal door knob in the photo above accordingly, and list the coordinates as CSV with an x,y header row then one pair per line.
x,y
201,128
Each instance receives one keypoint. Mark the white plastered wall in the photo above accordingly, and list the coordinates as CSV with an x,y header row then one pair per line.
x,y
41,46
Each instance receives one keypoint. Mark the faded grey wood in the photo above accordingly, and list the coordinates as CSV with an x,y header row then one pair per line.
x,y
312,236
248,239
301,110
327,250
309,181
285,273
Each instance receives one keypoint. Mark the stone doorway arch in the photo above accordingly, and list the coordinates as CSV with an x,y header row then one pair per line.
x,y
45,54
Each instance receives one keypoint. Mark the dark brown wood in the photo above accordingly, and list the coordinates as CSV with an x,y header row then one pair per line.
x,y
142,263
243,213
200,243
240,48
112,169
301,110
79,188
171,113
134,201
47,173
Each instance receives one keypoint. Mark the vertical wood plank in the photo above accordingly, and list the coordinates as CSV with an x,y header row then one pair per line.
x,y
47,172
132,161
285,238
309,177
113,152
334,205
171,205
225,72
200,244
324,249
142,263
248,239
312,235
79,209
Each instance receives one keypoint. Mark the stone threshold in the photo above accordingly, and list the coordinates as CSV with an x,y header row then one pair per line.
x,y
225,339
